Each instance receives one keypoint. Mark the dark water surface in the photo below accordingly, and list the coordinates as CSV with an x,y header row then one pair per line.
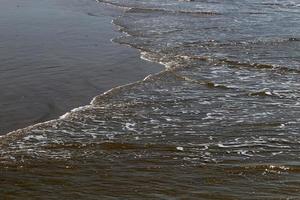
x,y
57,55
222,121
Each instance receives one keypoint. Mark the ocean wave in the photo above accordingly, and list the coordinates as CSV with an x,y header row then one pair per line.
x,y
211,109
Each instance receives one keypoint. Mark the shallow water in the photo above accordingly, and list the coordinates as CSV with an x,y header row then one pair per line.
x,y
221,122
55,56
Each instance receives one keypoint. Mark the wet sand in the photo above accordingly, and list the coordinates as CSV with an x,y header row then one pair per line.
x,y
55,56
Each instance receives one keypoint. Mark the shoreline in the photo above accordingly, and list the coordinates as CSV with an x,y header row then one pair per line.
x,y
131,68
18,133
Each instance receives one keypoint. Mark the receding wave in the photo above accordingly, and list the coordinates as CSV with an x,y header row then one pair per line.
x,y
222,118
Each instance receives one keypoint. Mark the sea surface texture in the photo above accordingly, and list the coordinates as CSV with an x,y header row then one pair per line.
x,y
222,121
57,55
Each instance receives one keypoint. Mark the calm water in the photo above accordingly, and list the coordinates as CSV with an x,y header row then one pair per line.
x,y
222,121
